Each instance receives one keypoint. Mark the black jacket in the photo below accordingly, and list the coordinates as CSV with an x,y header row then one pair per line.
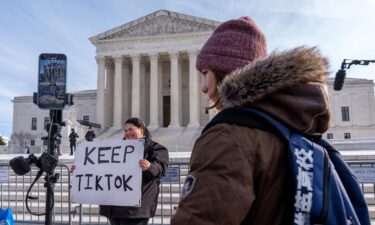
x,y
158,156
90,135
73,137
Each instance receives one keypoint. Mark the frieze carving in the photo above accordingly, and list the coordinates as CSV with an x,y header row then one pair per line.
x,y
128,44
162,25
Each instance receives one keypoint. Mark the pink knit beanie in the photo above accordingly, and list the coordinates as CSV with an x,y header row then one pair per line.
x,y
232,45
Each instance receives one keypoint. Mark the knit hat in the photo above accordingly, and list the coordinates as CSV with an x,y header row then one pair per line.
x,y
232,45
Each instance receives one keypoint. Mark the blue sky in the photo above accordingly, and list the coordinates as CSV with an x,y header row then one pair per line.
x,y
341,29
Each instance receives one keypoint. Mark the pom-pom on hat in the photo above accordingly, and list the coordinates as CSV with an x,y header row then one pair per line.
x,y
232,45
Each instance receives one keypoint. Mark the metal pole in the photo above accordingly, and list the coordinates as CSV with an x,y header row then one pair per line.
x,y
55,124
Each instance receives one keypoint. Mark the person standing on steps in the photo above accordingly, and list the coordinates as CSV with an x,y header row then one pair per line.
x,y
73,136
90,135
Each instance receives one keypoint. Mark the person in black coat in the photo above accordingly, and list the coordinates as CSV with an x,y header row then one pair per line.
x,y
90,135
73,136
154,165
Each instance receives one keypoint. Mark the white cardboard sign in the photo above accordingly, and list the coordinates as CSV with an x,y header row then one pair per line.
x,y
107,173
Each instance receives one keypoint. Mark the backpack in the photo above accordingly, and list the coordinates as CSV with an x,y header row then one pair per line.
x,y
326,191
6,217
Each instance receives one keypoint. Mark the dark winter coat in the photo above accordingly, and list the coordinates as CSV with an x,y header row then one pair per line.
x,y
158,156
239,175
73,137
90,135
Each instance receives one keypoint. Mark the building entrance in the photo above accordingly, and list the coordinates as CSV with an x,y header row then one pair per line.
x,y
166,110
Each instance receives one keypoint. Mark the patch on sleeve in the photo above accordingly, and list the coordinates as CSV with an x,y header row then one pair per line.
x,y
188,185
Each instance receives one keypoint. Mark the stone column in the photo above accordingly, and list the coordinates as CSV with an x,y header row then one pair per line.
x,y
160,97
143,98
126,93
154,91
136,92
108,116
175,93
100,91
118,89
193,90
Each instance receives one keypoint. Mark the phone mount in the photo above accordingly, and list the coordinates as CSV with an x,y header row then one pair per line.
x,y
51,95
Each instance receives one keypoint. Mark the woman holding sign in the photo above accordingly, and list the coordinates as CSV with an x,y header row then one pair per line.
x,y
153,166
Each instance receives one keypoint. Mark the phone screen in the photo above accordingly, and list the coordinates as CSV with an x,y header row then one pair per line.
x,y
51,81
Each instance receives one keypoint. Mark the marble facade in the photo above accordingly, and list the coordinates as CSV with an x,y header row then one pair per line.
x,y
146,69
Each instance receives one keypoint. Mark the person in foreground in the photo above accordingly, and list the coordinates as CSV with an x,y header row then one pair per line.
x,y
240,175
153,165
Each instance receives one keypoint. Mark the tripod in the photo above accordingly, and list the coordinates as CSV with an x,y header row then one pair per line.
x,y
51,178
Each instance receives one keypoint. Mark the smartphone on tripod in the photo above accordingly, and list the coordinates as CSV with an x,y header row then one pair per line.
x,y
51,81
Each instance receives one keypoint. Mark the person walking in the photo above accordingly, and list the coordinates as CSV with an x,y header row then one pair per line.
x,y
73,136
90,134
240,175
153,165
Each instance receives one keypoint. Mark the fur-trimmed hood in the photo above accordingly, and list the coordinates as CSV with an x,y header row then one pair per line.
x,y
290,86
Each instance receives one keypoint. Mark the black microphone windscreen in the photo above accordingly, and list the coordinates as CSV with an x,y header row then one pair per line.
x,y
339,80
20,165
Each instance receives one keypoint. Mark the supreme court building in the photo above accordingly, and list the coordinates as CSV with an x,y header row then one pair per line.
x,y
146,69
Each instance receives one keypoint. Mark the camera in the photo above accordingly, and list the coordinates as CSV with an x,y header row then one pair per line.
x,y
46,162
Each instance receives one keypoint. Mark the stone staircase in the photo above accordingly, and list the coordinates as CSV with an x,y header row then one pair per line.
x,y
175,139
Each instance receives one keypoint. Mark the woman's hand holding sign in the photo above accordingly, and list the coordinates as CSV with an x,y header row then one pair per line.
x,y
144,164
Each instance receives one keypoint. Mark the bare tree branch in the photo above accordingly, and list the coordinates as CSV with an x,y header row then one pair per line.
x,y
22,139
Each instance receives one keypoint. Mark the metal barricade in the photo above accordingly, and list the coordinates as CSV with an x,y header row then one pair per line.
x,y
14,189
367,185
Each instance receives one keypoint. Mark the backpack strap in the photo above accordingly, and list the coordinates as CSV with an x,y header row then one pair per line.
x,y
249,117
326,145
286,132
333,178
283,130
242,117
254,118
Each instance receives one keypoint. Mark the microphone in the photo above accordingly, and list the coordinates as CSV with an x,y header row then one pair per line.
x,y
339,80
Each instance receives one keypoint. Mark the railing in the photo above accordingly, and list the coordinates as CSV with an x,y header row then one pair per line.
x,y
14,188
368,187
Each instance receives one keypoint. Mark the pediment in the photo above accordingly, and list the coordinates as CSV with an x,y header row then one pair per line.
x,y
159,23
